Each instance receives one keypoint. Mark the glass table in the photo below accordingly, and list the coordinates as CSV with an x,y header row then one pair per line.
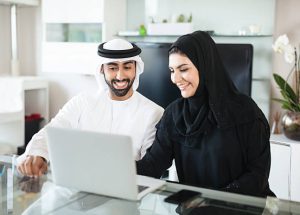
x,y
30,196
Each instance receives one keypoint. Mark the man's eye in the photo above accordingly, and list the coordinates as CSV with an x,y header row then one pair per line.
x,y
127,67
113,68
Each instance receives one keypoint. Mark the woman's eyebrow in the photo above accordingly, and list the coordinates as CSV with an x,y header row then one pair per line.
x,y
181,65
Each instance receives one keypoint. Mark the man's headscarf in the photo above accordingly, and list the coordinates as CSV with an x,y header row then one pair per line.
x,y
119,50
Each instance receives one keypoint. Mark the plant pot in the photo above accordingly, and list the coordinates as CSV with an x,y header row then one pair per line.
x,y
291,125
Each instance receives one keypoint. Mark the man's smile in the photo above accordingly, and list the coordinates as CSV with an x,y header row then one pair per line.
x,y
120,84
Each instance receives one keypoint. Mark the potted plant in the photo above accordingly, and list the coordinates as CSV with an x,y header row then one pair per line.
x,y
290,100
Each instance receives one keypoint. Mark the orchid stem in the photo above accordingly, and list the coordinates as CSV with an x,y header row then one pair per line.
x,y
297,74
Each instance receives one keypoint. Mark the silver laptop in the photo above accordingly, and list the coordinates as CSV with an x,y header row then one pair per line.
x,y
99,163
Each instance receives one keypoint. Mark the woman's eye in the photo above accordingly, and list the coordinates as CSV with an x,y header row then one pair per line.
x,y
183,70
171,70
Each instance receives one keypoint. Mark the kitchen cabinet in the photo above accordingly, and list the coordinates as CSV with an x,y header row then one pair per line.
x,y
285,173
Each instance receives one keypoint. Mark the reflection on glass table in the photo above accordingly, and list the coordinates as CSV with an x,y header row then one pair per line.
x,y
35,196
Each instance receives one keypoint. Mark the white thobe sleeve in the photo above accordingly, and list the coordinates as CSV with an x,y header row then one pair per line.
x,y
67,117
150,131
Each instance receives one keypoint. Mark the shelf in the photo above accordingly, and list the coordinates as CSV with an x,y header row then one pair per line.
x,y
213,35
33,83
133,35
236,35
11,117
261,79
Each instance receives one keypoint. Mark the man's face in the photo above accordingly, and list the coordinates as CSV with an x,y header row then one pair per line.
x,y
120,77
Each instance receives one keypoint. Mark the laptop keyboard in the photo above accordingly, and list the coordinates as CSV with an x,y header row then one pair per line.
x,y
141,188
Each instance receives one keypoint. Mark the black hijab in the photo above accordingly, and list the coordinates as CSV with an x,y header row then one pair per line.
x,y
216,100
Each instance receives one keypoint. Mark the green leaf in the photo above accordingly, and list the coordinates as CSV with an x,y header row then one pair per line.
x,y
285,104
286,90
287,97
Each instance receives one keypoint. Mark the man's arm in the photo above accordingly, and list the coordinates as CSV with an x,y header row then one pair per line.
x,y
34,160
150,131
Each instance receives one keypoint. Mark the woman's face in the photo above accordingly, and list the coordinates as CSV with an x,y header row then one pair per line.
x,y
184,74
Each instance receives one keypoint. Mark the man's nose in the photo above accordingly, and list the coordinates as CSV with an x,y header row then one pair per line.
x,y
120,74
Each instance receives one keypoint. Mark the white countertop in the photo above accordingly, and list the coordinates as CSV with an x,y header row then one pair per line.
x,y
281,139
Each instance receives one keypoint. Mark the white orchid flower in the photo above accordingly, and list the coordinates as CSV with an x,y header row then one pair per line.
x,y
280,44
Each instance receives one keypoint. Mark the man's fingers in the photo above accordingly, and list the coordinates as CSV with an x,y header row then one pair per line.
x,y
43,169
38,165
33,166
28,166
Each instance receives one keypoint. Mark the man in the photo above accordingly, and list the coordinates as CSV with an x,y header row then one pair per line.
x,y
117,108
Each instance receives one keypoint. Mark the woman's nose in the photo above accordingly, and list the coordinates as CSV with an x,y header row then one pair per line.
x,y
176,77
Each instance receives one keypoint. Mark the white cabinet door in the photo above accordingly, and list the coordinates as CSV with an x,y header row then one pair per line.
x,y
295,171
280,170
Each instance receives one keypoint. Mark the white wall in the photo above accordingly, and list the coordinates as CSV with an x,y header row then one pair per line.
x,y
5,40
114,18
28,36
135,14
26,43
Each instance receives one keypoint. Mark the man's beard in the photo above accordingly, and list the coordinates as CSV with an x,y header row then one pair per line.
x,y
119,92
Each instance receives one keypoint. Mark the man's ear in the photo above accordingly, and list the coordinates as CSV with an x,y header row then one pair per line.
x,y
101,69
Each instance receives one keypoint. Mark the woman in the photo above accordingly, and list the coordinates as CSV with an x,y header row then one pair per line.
x,y
218,137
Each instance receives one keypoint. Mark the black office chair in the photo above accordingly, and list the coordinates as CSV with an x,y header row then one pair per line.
x,y
237,59
155,82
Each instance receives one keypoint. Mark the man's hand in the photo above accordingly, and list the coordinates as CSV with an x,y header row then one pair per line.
x,y
33,166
